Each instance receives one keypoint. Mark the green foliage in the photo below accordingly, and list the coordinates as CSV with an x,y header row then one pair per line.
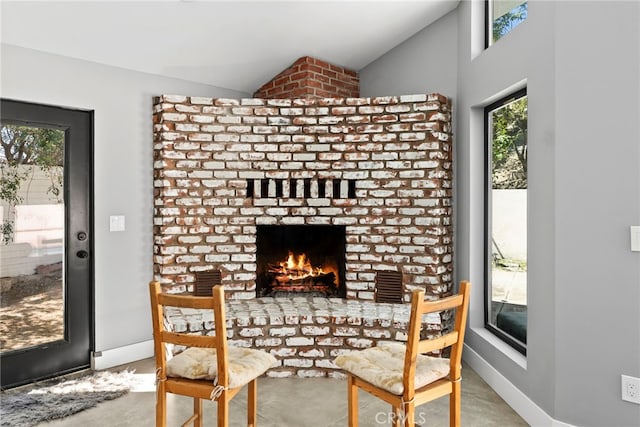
x,y
6,228
509,21
509,145
10,180
25,145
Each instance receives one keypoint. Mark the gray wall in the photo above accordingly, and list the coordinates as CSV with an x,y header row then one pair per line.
x,y
597,197
402,71
122,101
580,62
524,57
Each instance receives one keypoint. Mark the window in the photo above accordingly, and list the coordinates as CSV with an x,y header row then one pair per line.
x,y
506,219
502,16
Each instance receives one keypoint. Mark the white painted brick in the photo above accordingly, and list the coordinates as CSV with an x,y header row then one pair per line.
x,y
267,342
413,98
345,331
314,330
174,117
286,331
299,341
298,363
393,196
272,373
312,353
177,99
359,343
201,100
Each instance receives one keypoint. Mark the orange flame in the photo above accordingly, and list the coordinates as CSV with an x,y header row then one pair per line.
x,y
299,267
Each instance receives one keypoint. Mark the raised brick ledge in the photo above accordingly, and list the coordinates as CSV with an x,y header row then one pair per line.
x,y
305,334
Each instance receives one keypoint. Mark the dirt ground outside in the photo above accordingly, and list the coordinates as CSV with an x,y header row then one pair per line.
x,y
31,311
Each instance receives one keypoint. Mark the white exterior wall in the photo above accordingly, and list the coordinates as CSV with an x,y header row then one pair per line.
x,y
38,225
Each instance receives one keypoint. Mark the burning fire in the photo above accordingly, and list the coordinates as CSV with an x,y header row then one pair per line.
x,y
295,268
297,274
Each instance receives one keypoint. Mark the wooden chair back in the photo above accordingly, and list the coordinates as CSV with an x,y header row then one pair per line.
x,y
375,370
454,340
163,337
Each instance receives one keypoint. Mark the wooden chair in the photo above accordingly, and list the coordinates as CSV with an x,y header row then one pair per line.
x,y
403,375
208,368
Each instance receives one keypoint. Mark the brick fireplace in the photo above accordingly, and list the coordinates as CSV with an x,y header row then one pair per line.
x,y
380,167
378,170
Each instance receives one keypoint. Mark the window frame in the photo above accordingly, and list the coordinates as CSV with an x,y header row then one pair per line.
x,y
488,23
511,341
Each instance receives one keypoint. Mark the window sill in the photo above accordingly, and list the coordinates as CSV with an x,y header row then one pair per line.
x,y
504,348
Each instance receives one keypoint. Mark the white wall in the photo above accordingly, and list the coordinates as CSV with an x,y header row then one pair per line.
x,y
580,62
509,222
123,156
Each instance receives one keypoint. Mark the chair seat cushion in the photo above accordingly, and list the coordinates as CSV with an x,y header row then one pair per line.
x,y
383,367
197,363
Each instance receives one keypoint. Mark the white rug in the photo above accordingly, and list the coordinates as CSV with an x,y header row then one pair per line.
x,y
60,398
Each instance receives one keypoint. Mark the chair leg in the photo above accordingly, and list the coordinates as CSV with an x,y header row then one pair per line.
x,y
161,405
409,414
223,410
454,405
197,410
397,416
352,397
252,399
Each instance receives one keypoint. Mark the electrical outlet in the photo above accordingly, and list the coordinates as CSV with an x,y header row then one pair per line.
x,y
631,389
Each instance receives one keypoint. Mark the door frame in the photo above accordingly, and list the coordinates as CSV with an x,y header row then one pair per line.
x,y
72,353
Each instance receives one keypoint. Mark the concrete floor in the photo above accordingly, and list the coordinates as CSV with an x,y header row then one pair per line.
x,y
294,402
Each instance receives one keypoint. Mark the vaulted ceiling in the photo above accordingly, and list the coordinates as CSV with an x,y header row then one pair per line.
x,y
232,44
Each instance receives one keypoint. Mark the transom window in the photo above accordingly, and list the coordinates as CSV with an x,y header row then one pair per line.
x,y
502,16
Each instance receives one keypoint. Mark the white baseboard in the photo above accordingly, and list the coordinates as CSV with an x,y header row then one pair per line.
x,y
525,407
122,355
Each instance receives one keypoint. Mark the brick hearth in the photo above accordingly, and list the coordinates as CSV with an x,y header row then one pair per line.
x,y
306,334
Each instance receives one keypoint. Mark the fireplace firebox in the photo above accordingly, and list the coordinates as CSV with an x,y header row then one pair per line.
x,y
300,260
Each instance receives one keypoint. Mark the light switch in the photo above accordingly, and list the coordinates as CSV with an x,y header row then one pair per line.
x,y
635,238
116,223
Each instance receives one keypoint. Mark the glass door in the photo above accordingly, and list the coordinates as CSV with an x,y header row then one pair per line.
x,y
45,264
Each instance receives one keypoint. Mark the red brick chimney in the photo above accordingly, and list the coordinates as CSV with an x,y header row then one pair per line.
x,y
311,78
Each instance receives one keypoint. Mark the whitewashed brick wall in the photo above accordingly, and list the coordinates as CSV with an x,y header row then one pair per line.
x,y
397,150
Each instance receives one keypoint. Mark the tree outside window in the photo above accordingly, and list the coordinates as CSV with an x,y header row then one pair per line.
x,y
502,17
22,150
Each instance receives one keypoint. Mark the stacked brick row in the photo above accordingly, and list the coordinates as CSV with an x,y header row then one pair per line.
x,y
396,149
305,335
311,78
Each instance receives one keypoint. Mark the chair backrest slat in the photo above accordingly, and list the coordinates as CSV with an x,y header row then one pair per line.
x,y
188,340
439,343
172,300
444,304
